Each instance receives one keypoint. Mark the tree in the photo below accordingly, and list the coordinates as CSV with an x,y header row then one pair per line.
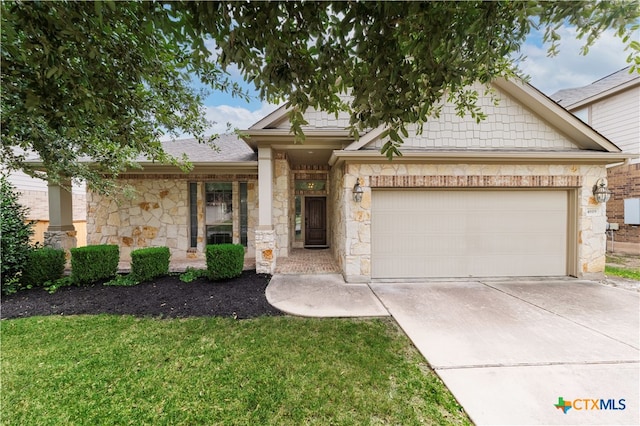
x,y
106,87
15,232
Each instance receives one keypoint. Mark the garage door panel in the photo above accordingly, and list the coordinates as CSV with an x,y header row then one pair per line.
x,y
418,234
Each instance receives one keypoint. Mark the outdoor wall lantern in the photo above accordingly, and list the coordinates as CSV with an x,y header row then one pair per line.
x,y
600,191
357,191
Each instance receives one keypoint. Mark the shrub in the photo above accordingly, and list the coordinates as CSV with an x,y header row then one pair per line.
x,y
149,263
224,261
15,232
122,281
44,265
94,263
191,274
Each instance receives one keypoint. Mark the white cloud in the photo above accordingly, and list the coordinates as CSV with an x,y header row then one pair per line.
x,y
569,68
239,117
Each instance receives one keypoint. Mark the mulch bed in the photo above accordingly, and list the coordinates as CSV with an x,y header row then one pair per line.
x,y
242,297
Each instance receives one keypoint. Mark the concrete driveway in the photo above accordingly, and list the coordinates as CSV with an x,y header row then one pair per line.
x,y
511,350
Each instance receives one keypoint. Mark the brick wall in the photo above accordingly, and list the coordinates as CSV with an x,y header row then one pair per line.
x,y
624,182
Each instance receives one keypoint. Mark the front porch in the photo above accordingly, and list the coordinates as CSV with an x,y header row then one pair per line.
x,y
299,261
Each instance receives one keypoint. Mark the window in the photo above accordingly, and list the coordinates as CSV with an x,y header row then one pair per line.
x,y
298,218
244,213
220,222
219,212
193,214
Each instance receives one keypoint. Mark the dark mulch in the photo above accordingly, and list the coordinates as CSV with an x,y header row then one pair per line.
x,y
242,297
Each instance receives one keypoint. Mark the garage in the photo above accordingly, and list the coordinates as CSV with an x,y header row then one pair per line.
x,y
468,233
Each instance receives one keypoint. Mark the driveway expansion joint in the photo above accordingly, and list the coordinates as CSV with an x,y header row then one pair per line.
x,y
534,364
487,284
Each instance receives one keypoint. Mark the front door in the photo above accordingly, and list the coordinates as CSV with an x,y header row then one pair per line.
x,y
315,221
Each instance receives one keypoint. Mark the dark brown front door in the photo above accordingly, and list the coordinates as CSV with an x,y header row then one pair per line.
x,y
315,221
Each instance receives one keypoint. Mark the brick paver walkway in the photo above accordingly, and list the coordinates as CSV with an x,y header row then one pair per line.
x,y
307,261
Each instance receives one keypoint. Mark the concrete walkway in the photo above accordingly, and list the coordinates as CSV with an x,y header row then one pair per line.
x,y
322,295
507,349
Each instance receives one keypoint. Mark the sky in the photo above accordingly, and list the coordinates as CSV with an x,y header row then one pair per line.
x,y
568,69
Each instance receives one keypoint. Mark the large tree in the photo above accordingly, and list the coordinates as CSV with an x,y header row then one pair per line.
x,y
89,87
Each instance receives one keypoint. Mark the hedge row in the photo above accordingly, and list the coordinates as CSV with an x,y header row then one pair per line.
x,y
91,264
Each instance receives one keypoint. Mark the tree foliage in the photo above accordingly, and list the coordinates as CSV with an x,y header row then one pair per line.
x,y
103,81
15,232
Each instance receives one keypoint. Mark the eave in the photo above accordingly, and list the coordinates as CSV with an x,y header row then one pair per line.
x,y
484,157
281,137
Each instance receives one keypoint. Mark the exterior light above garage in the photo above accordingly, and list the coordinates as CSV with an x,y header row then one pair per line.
x,y
600,191
357,191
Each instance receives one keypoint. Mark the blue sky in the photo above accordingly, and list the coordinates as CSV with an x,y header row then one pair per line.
x,y
566,70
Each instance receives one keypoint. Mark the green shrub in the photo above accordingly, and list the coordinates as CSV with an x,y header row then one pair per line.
x,y
224,261
149,263
15,232
191,274
122,281
44,265
94,263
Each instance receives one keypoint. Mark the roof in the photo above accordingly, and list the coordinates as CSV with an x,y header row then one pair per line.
x,y
229,148
619,80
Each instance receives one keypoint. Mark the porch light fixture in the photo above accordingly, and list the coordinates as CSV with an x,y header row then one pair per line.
x,y
357,191
600,191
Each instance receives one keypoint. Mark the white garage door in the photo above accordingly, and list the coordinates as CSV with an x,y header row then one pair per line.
x,y
478,233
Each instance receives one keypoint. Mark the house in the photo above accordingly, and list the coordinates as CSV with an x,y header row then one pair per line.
x,y
512,195
611,106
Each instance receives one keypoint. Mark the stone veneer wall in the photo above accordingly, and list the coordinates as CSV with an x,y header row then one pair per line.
x,y
158,215
339,197
591,216
624,182
280,203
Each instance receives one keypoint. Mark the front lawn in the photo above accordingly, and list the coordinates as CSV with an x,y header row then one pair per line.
x,y
203,371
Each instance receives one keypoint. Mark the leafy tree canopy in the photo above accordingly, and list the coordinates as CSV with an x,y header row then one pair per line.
x,y
102,82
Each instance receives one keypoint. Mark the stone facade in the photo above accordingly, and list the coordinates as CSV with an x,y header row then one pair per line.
x,y
65,240
158,214
265,240
281,202
591,217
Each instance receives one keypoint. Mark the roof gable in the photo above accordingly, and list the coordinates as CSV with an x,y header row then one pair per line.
x,y
524,119
316,120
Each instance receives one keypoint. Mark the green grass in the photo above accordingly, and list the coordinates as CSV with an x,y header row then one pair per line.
x,y
633,274
268,371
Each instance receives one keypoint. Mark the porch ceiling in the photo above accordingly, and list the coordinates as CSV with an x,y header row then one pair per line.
x,y
309,156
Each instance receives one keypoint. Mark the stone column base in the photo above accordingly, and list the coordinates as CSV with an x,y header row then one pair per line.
x,y
61,240
265,251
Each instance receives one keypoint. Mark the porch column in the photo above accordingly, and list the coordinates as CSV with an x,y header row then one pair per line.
x,y
60,233
265,234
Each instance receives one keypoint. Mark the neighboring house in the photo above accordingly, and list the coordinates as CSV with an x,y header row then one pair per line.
x,y
510,196
34,195
611,106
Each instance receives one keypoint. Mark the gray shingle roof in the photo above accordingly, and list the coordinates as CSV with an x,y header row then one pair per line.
x,y
568,97
231,148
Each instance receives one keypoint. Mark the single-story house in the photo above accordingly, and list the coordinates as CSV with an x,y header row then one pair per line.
x,y
512,195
